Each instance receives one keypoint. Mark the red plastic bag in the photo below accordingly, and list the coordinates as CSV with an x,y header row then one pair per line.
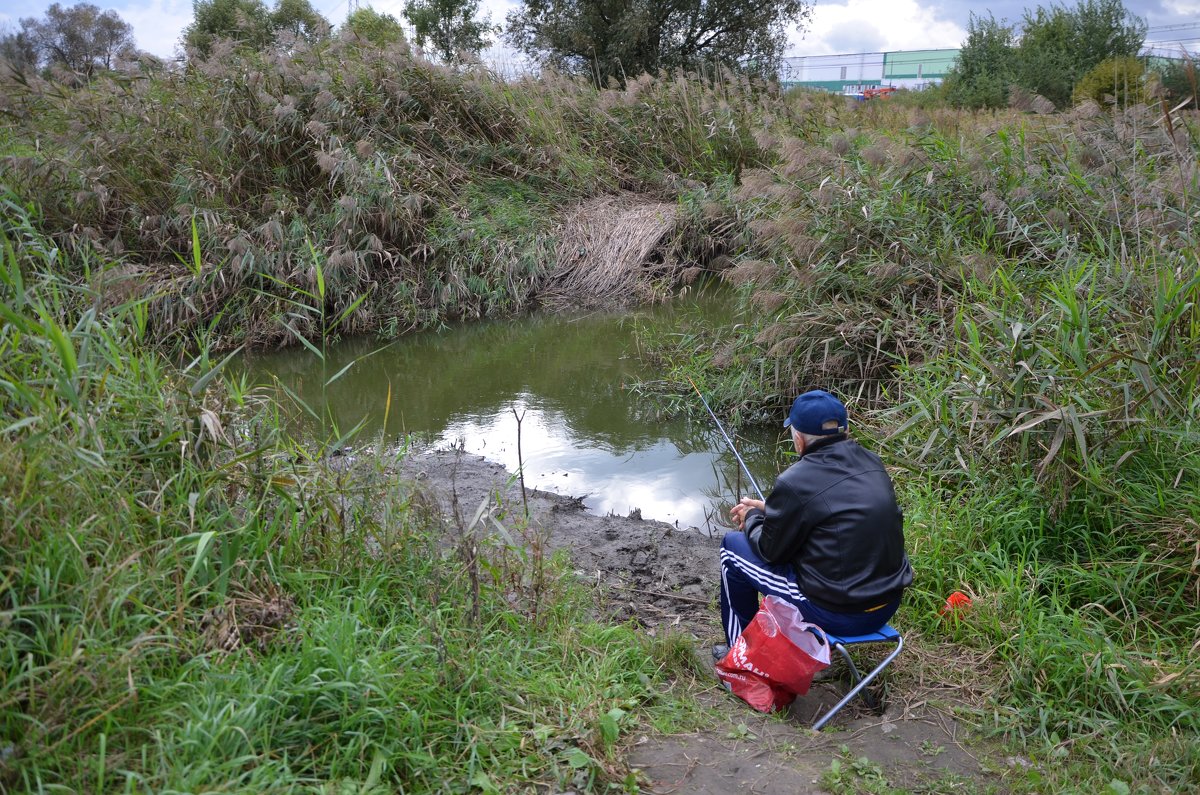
x,y
775,658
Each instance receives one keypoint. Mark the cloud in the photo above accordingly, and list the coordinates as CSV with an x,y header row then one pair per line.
x,y
873,25
854,37
1011,11
1183,8
1155,12
158,24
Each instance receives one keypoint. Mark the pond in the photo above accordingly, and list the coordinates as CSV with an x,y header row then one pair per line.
x,y
582,432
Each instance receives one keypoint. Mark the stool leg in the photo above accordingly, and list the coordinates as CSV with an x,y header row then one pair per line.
x,y
872,702
862,683
854,674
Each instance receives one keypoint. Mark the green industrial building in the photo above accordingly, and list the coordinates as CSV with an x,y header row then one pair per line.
x,y
850,74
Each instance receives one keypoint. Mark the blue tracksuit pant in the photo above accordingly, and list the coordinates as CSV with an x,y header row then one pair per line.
x,y
744,575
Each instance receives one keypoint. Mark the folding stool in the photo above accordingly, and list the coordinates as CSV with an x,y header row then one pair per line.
x,y
887,634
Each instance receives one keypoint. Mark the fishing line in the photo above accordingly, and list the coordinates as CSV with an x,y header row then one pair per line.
x,y
728,441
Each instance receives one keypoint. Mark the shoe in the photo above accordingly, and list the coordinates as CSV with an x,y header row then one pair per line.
x,y
825,675
719,651
834,672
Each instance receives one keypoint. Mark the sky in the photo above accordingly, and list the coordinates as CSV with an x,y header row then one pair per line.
x,y
849,26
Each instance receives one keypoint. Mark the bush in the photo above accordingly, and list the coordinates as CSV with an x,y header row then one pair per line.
x,y
1122,80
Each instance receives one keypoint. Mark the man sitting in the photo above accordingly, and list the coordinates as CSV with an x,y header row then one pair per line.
x,y
829,539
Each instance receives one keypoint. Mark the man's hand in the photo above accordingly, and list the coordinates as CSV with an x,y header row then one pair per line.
x,y
738,512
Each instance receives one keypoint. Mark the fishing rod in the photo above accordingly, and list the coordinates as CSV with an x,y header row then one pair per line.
x,y
728,441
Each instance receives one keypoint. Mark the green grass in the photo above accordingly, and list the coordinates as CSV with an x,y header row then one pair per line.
x,y
191,601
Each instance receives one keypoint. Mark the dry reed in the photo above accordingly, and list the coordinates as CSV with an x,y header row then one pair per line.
x,y
615,251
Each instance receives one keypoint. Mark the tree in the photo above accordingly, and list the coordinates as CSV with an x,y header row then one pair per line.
x,y
1056,48
615,39
251,24
82,38
16,50
1059,45
379,29
300,19
984,70
449,26
244,21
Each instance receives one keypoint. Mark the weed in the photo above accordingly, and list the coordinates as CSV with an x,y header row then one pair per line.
x,y
848,773
930,748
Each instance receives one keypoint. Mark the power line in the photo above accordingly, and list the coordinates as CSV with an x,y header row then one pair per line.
x,y
1175,42
1166,52
1164,28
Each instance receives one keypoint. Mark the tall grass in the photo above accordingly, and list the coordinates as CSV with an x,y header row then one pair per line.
x,y
435,192
1012,305
193,601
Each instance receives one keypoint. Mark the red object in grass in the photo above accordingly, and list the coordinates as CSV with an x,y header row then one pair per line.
x,y
957,602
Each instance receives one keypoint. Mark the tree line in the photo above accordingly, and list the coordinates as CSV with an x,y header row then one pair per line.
x,y
84,39
1064,55
609,40
1061,53
81,38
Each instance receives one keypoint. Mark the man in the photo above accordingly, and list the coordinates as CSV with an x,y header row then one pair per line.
x,y
829,539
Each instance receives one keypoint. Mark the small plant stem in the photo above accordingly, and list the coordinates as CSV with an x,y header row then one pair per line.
x,y
521,464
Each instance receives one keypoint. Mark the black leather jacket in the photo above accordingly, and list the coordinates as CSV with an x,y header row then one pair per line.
x,y
833,516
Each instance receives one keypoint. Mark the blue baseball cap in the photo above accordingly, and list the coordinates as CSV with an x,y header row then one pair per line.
x,y
815,408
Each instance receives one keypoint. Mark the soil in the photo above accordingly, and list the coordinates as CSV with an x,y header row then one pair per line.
x,y
665,579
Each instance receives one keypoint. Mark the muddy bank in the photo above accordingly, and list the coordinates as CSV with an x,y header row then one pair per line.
x,y
649,571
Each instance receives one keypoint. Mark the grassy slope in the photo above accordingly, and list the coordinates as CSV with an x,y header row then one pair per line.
x,y
433,194
962,276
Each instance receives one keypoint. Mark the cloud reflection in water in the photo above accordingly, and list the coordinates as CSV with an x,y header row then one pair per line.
x,y
656,477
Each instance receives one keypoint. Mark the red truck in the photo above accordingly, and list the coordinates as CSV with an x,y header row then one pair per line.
x,y
878,92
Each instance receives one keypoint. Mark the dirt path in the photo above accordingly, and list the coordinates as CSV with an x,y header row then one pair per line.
x,y
666,578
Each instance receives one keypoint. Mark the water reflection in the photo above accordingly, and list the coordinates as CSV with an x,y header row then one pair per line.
x,y
652,474
582,433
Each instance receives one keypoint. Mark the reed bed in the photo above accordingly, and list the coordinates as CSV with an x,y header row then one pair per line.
x,y
615,253
437,194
